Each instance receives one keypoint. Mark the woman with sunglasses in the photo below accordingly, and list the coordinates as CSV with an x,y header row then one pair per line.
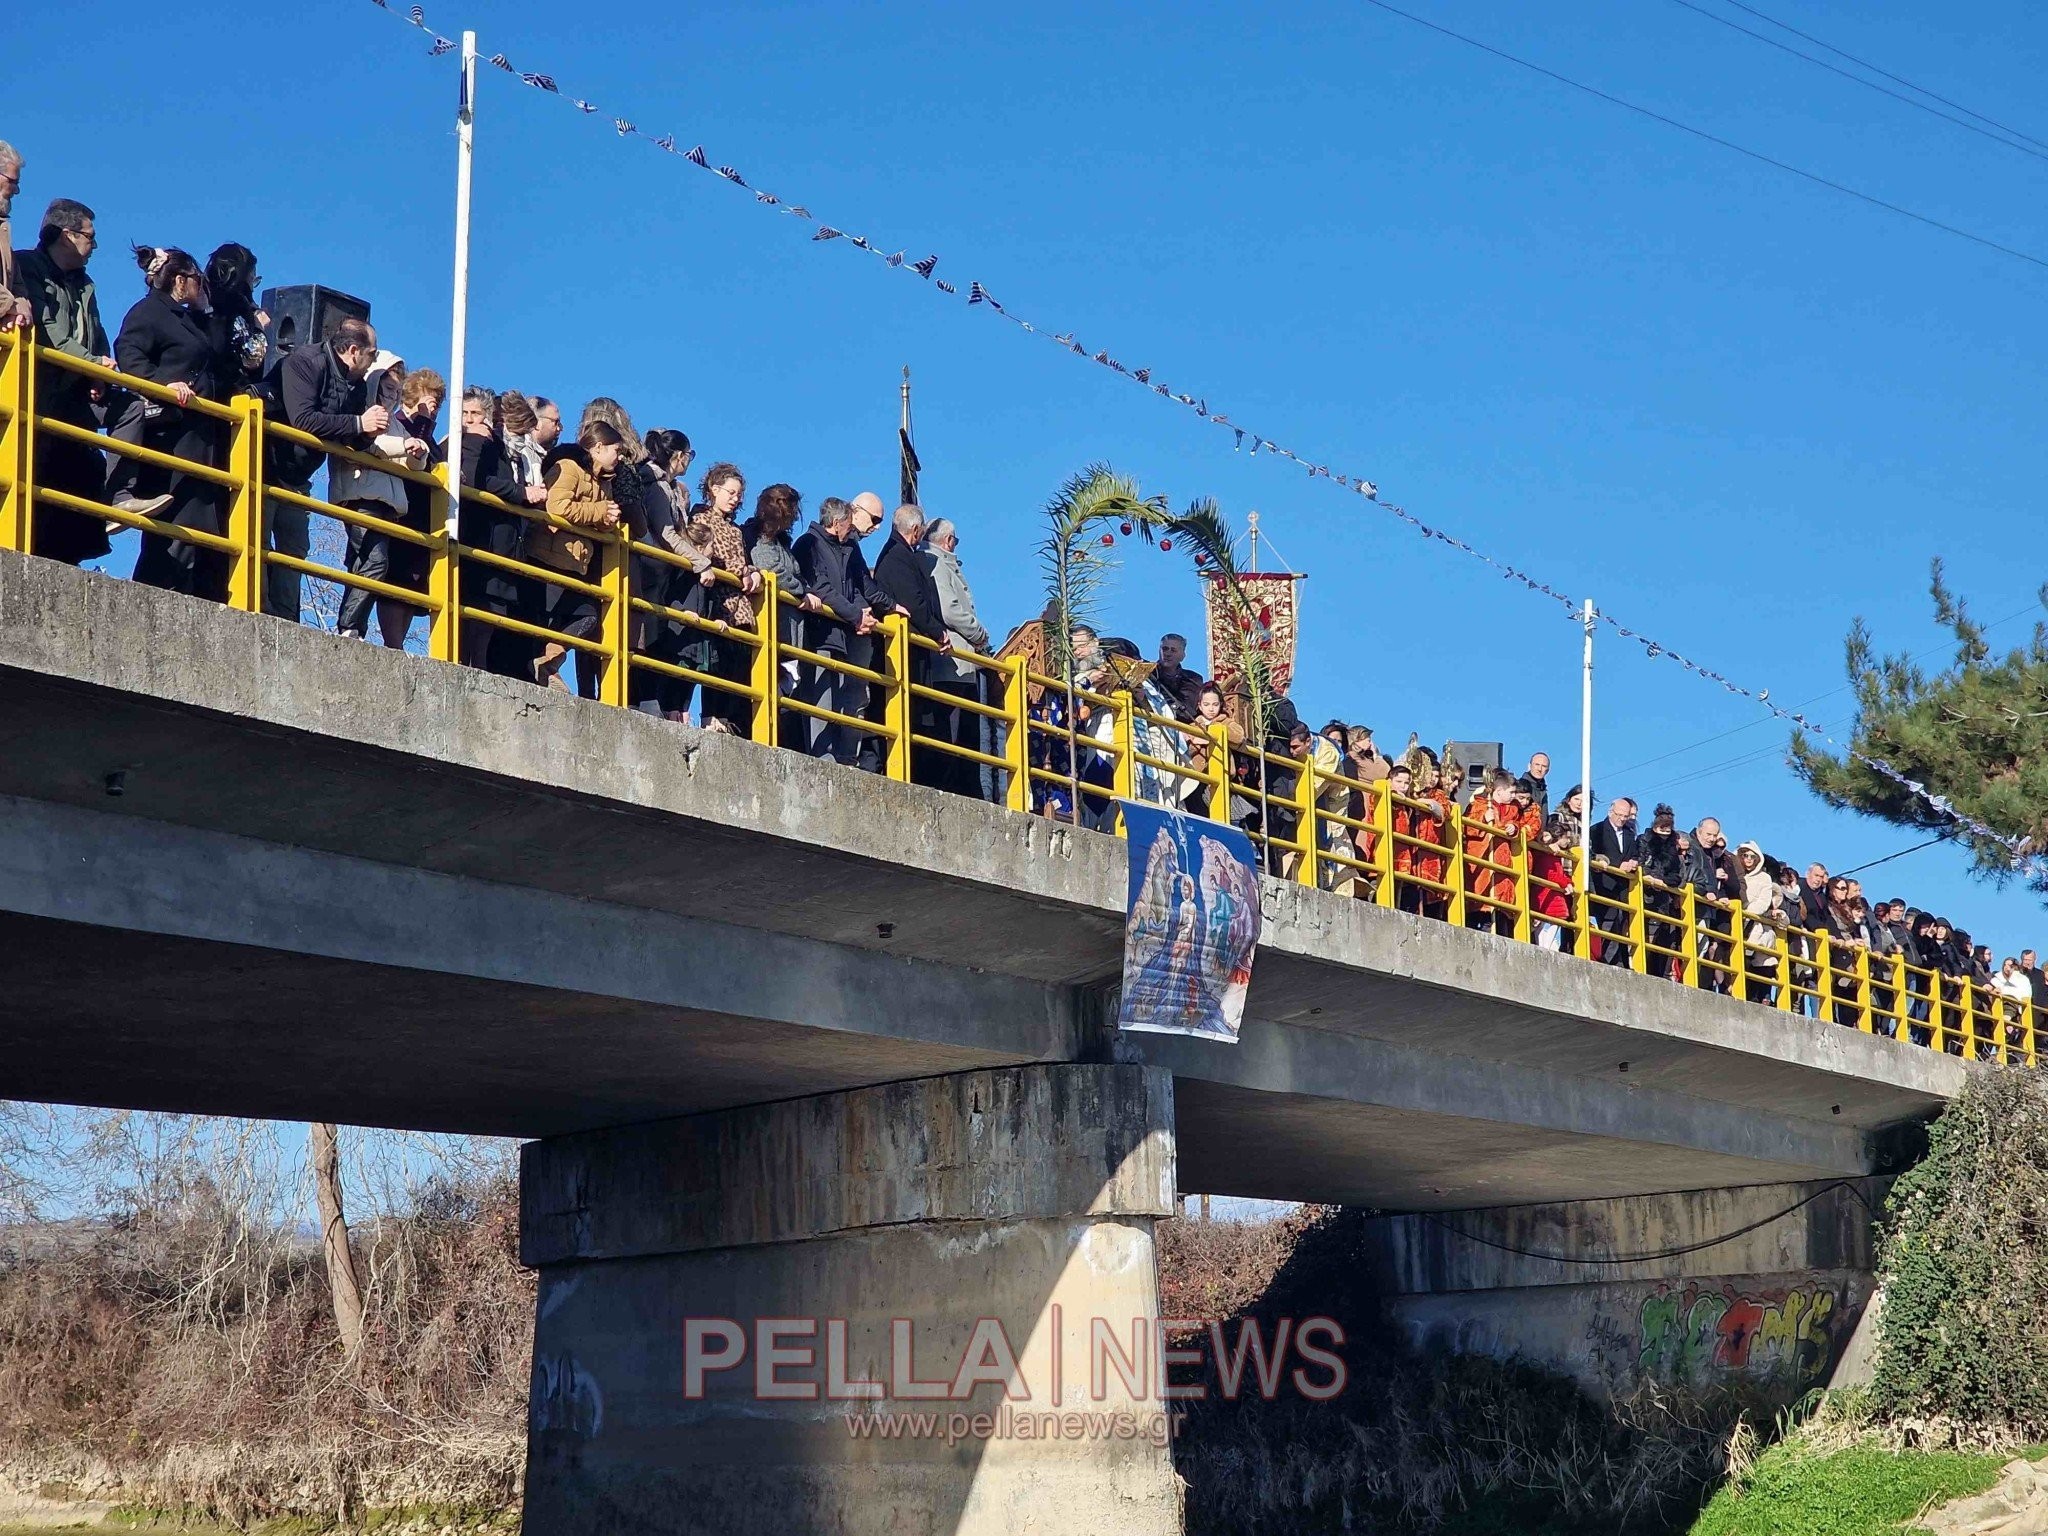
x,y
166,339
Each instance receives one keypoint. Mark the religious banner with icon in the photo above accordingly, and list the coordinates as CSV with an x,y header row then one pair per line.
x,y
1264,621
1191,924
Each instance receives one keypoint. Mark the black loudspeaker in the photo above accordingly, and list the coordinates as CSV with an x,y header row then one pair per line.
x,y
1479,759
307,314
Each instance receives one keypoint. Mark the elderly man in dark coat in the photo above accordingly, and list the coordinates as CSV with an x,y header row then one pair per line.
x,y
901,572
836,573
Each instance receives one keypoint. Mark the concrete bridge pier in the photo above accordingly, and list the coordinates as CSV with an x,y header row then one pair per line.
x,y
868,1311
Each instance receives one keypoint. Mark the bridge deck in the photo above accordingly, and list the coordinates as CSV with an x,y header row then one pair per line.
x,y
346,884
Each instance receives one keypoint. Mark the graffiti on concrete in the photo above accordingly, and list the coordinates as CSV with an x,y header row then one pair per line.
x,y
1701,1336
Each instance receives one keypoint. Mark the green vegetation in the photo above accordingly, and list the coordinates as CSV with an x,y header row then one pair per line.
x,y
1866,1490
1976,732
1965,1273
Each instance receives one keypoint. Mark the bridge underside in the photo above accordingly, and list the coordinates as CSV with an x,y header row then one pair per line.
x,y
345,884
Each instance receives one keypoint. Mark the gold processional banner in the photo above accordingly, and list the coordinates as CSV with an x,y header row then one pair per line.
x,y
1264,621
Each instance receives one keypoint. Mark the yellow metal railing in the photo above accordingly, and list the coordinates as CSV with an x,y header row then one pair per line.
x,y
1319,828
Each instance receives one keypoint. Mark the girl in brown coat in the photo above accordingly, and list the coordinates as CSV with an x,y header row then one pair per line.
x,y
579,492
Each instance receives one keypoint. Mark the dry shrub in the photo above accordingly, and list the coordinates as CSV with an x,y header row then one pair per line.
x,y
1215,1269
179,1350
1422,1443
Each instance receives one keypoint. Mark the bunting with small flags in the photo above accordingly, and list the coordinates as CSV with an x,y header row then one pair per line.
x,y
978,297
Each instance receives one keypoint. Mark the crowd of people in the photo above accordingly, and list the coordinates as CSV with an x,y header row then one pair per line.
x,y
698,562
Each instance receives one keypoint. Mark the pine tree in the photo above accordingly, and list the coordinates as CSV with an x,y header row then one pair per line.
x,y
1974,734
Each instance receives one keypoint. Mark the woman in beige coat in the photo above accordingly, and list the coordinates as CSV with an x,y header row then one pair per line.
x,y
579,493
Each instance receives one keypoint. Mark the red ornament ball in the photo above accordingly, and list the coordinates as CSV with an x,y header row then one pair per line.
x,y
1166,543
1109,538
1127,530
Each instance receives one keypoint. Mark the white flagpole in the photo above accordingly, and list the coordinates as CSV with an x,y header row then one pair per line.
x,y
1586,781
458,340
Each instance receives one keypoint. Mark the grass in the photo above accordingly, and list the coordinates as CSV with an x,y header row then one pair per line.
x,y
1862,1491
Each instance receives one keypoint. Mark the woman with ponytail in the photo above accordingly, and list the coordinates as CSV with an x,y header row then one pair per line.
x,y
167,340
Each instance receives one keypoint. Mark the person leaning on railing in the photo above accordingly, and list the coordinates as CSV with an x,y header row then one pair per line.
x,y
772,552
901,572
1798,947
14,309
1550,868
1662,849
963,679
1363,762
323,388
164,341
1766,921
1493,823
659,518
64,312
491,588
372,554
1716,880
1848,941
579,480
712,527
2015,992
1617,862
1327,793
1209,712
842,630
1527,842
1429,824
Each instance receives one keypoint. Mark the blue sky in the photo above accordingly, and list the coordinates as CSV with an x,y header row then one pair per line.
x,y
1734,409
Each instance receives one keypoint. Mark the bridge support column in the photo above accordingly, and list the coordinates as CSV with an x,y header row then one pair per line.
x,y
872,1311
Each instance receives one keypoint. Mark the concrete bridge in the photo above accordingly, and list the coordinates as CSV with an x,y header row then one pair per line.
x,y
797,1042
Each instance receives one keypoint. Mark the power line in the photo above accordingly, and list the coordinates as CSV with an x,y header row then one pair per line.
x,y
1882,90
1736,730
978,296
1660,1253
1712,138
1896,79
1733,730
1890,856
1743,760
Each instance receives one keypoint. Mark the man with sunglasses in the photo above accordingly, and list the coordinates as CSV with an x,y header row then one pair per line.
x,y
64,314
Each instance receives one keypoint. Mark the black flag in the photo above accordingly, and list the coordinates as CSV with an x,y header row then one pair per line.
x,y
907,450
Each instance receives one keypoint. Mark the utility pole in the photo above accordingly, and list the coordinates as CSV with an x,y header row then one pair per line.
x,y
1586,779
458,341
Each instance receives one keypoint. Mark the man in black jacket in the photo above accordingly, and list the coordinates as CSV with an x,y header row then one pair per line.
x,y
489,647
1661,851
901,572
320,390
1178,681
836,573
1711,870
1615,846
